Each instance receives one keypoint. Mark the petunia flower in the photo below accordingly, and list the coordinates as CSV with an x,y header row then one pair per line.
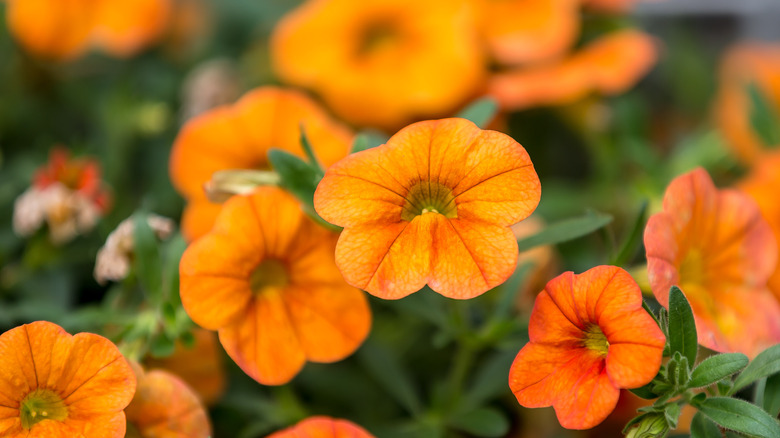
x,y
67,194
66,29
715,245
53,384
387,63
526,31
265,278
199,366
164,406
763,184
239,137
744,65
589,337
323,427
432,206
610,65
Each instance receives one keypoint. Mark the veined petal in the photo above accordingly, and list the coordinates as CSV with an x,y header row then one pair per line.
x,y
591,396
632,365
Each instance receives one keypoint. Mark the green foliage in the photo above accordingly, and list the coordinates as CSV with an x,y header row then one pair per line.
x,y
565,230
483,422
765,364
740,416
703,427
368,139
763,117
717,367
682,328
481,111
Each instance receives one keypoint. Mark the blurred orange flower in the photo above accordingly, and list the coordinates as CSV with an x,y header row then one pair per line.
x,y
610,65
67,194
717,248
386,62
165,407
53,384
610,6
432,206
522,31
239,137
65,29
323,427
589,337
200,366
763,185
265,277
743,65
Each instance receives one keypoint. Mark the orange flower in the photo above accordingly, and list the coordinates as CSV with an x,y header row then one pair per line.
x,y
432,206
265,278
521,31
763,184
165,407
65,29
323,427
611,65
239,137
742,65
717,248
610,6
387,62
200,366
589,337
53,384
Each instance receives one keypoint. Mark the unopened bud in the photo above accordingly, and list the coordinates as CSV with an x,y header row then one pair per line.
x,y
651,426
226,183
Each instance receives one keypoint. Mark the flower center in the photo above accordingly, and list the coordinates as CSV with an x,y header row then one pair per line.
x,y
429,197
42,404
692,268
271,273
595,340
376,37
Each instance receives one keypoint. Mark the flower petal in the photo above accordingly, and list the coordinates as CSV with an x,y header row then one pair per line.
x,y
632,365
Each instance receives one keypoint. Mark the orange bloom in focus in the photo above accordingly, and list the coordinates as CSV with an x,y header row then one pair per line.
x,y
53,384
239,137
432,206
382,63
717,248
521,31
743,65
610,65
589,337
265,278
323,427
763,185
200,367
65,29
165,407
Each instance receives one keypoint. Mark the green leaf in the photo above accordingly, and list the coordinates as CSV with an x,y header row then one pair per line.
x,y
170,275
740,416
366,140
682,328
645,392
703,427
565,230
717,367
672,414
772,395
487,422
510,289
631,244
489,380
162,346
481,111
764,365
298,177
385,367
147,257
313,161
763,117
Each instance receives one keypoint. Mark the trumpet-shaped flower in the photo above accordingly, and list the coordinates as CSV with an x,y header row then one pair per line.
x,y
65,29
742,66
56,385
387,62
610,65
239,137
165,407
432,206
523,31
715,245
323,427
266,279
589,337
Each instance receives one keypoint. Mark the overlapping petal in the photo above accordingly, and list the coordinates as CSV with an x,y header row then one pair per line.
x,y
716,246
323,427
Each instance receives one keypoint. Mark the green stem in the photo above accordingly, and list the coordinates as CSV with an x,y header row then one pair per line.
x,y
464,357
